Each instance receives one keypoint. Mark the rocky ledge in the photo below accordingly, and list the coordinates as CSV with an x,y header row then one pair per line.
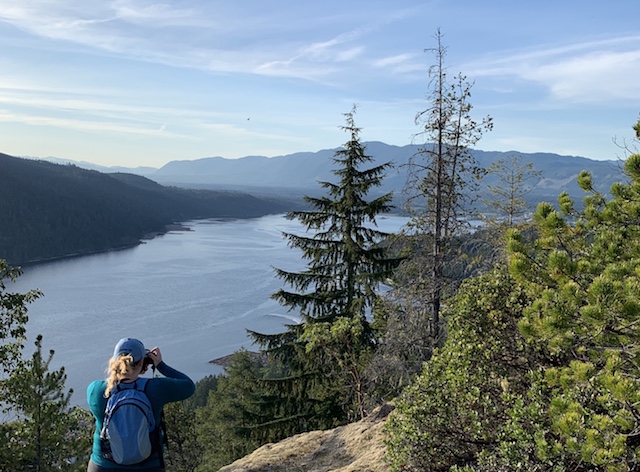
x,y
356,447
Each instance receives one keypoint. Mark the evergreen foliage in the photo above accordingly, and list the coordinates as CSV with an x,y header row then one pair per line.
x,y
560,392
458,405
47,434
582,273
13,320
324,356
226,424
442,178
507,197
507,207
183,453
41,432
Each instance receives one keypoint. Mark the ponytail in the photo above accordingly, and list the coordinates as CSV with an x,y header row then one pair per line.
x,y
118,369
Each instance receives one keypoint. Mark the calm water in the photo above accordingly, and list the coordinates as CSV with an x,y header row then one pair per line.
x,y
192,293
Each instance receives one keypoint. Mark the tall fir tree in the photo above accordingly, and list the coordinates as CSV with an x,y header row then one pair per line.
x,y
324,356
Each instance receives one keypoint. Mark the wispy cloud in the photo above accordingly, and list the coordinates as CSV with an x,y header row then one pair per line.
x,y
407,65
97,110
315,61
124,27
201,36
153,13
88,126
583,72
593,77
393,60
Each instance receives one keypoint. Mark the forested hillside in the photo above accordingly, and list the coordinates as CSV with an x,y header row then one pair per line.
x,y
49,210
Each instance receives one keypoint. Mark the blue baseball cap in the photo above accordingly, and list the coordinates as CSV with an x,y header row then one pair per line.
x,y
130,346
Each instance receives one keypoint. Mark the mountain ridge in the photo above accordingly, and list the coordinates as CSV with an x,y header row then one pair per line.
x,y
299,173
296,175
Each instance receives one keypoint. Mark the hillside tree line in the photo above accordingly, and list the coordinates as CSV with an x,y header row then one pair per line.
x,y
50,211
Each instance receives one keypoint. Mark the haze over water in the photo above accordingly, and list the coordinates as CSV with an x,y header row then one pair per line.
x,y
193,293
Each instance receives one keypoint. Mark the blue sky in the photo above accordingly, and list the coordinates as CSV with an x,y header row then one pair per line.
x,y
144,82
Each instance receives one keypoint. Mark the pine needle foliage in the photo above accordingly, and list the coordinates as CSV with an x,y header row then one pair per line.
x,y
577,406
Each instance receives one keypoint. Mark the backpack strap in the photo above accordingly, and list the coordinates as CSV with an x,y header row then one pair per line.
x,y
144,381
134,386
160,432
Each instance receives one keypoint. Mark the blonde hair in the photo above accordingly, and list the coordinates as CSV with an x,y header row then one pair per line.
x,y
118,369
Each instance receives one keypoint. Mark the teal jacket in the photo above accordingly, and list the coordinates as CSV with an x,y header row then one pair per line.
x,y
173,387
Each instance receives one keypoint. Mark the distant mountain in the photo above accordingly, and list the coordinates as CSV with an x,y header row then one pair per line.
x,y
142,170
49,210
300,172
295,175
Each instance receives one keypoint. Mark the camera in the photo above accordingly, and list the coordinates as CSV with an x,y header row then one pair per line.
x,y
146,362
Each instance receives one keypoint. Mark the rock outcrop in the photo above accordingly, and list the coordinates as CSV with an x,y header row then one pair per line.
x,y
356,447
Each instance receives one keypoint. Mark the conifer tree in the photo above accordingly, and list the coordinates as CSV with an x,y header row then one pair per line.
x,y
40,432
185,451
440,177
582,272
47,434
225,426
566,395
507,208
324,356
507,197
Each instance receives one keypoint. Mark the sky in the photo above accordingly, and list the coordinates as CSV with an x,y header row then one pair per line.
x,y
144,82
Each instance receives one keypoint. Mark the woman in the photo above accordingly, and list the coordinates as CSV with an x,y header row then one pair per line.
x,y
126,365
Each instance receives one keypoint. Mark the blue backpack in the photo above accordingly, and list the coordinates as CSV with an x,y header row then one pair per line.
x,y
129,434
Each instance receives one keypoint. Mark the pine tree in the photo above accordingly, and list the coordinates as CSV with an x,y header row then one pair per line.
x,y
40,432
226,426
324,356
560,392
47,434
507,198
582,411
439,178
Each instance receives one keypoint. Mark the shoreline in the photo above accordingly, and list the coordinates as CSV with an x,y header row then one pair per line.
x,y
173,227
225,360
